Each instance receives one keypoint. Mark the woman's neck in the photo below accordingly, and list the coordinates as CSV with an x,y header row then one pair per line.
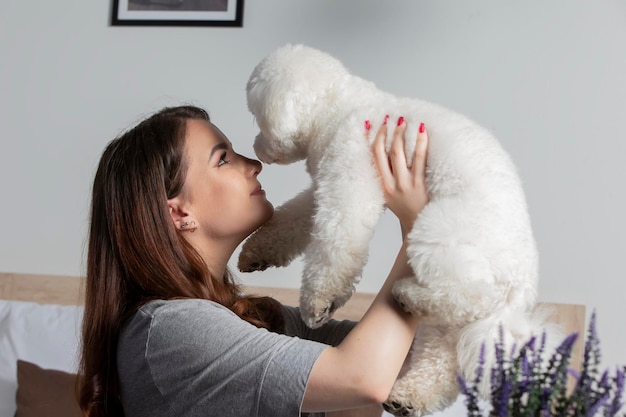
x,y
215,253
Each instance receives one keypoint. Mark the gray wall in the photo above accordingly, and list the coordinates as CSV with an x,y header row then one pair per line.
x,y
547,77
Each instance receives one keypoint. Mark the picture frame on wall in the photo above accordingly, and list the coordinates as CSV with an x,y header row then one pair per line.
x,y
177,13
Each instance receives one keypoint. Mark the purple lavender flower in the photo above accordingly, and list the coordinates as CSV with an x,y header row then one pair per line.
x,y
523,384
616,405
471,397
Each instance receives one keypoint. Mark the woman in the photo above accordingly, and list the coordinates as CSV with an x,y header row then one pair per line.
x,y
166,329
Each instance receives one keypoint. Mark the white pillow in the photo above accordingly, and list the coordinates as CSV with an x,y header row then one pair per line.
x,y
44,334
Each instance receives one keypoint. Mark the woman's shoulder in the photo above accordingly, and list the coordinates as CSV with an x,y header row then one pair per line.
x,y
180,314
178,306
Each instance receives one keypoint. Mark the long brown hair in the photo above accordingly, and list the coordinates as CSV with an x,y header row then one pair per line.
x,y
136,255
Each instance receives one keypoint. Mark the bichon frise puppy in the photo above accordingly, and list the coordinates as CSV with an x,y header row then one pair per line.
x,y
472,248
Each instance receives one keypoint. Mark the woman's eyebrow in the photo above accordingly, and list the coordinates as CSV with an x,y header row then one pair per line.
x,y
217,147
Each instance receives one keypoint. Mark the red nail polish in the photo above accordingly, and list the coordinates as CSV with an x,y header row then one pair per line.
x,y
386,119
400,120
422,128
368,125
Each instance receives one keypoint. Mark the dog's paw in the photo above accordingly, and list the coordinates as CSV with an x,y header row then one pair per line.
x,y
316,317
317,311
257,256
410,398
404,293
398,409
250,262
263,250
429,384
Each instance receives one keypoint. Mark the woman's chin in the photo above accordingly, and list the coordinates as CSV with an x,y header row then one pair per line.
x,y
264,218
270,213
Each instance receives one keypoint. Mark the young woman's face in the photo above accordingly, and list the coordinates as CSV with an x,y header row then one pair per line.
x,y
221,188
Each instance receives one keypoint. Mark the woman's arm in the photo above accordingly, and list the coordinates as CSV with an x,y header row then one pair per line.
x,y
361,370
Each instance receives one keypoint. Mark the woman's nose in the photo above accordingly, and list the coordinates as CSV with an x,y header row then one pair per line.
x,y
254,166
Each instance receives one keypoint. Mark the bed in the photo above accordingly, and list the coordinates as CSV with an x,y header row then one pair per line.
x,y
40,319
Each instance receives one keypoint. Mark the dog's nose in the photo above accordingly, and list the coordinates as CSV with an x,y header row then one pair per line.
x,y
261,151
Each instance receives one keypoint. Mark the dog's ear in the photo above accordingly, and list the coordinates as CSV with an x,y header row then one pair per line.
x,y
275,106
290,88
281,119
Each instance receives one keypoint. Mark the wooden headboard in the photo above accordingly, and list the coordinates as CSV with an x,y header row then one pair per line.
x,y
51,289
66,290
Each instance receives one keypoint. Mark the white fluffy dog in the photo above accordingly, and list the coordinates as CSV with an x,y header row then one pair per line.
x,y
471,248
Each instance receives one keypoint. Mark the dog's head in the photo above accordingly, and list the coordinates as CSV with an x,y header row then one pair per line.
x,y
288,93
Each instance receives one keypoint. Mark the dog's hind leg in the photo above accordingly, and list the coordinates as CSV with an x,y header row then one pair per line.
x,y
428,382
455,277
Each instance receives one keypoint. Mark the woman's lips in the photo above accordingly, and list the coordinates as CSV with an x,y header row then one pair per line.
x,y
258,191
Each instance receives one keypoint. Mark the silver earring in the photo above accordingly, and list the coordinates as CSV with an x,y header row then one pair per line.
x,y
193,226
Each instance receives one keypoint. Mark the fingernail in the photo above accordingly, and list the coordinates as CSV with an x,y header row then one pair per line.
x,y
386,119
422,128
400,120
368,125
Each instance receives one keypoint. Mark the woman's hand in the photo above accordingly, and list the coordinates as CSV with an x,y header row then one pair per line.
x,y
404,187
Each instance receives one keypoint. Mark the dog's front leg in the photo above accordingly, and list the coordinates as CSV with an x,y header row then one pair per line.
x,y
349,203
281,239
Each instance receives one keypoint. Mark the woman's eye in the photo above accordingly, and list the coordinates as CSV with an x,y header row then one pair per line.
x,y
222,160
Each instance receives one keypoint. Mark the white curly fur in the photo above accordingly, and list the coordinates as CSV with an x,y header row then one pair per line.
x,y
472,247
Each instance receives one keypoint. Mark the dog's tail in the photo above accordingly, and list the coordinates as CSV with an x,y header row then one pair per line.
x,y
509,329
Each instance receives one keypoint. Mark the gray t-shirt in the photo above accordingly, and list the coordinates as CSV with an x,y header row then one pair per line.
x,y
195,357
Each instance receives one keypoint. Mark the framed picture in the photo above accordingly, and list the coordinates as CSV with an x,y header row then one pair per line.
x,y
177,13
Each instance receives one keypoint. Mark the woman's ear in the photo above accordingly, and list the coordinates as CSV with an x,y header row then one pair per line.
x,y
180,216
